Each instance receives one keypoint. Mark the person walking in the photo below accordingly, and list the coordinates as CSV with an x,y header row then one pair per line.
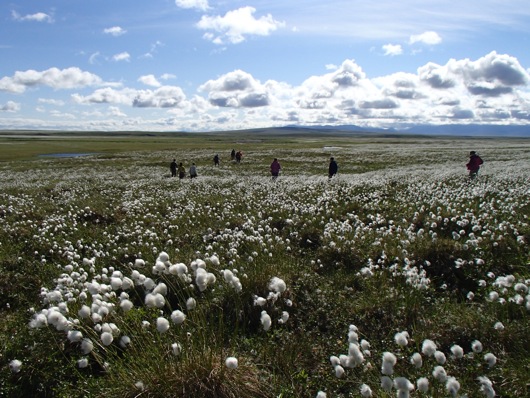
x,y
216,160
333,168
474,164
181,171
193,171
275,169
173,168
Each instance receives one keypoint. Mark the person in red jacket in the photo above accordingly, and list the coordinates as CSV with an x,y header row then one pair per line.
x,y
474,164
275,169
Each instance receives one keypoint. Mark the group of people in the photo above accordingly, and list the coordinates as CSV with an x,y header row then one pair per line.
x,y
473,166
237,156
181,171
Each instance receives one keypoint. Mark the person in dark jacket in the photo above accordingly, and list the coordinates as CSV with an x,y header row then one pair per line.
x,y
275,169
333,167
474,164
173,168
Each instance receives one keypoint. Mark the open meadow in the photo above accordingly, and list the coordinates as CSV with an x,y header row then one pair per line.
x,y
398,277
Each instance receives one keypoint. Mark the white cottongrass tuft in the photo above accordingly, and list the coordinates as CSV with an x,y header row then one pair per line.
x,y
260,301
423,384
284,318
178,317
74,336
490,359
355,355
416,360
440,357
153,300
125,341
339,371
126,305
84,312
191,304
277,285
106,338
428,347
403,384
265,320
439,374
457,351
476,346
162,324
87,346
38,321
353,337
231,362
401,338
486,386
176,349
452,386
498,326
321,394
386,383
389,360
15,365
366,391
334,360
82,363
161,288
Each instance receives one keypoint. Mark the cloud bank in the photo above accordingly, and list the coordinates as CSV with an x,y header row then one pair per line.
x,y
492,89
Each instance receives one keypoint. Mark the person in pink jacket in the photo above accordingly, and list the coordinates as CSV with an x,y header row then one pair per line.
x,y
275,169
474,164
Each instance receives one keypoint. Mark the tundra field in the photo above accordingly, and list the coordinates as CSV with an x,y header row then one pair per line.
x,y
398,277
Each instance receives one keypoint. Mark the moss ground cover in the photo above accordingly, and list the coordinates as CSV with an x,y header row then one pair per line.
x,y
399,276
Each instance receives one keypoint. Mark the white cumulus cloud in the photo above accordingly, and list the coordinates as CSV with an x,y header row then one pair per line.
x,y
149,80
235,25
201,5
10,106
429,37
55,78
115,31
37,17
124,56
392,49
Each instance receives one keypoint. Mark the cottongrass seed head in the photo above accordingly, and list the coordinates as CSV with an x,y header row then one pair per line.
x,y
366,391
231,362
428,347
423,384
15,365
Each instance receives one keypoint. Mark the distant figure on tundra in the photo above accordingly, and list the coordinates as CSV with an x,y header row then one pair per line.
x,y
193,171
239,155
474,164
233,154
275,169
182,171
333,167
216,160
173,168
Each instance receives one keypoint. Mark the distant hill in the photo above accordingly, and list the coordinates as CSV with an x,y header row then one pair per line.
x,y
444,129
460,130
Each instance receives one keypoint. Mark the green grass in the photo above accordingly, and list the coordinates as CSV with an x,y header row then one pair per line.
x,y
345,249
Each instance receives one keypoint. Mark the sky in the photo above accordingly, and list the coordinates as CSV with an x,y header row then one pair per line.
x,y
207,65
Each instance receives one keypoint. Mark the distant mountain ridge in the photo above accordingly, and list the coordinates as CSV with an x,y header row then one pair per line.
x,y
477,130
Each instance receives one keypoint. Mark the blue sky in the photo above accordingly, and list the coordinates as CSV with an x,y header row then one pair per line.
x,y
205,65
